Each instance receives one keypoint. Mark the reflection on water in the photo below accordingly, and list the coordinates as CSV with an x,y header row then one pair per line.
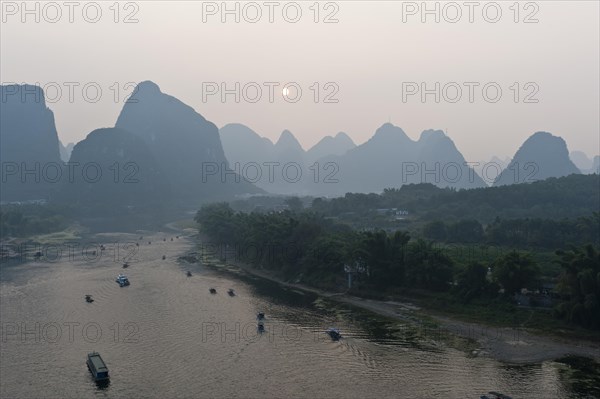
x,y
166,335
102,385
581,375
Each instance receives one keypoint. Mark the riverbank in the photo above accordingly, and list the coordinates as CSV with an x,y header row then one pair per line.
x,y
506,344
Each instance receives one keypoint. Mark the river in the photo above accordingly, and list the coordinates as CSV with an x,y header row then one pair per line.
x,y
167,336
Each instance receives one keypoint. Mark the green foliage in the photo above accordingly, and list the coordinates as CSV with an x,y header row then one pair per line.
x,y
306,247
556,198
580,286
545,233
217,220
514,271
384,256
27,220
465,230
518,233
471,282
294,203
304,244
428,267
436,230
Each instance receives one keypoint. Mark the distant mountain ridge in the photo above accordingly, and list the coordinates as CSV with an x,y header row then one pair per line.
x,y
181,151
247,149
330,145
586,165
336,165
28,142
541,156
581,160
186,158
129,174
391,159
186,146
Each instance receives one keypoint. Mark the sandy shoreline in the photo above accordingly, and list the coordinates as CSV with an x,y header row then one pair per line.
x,y
504,344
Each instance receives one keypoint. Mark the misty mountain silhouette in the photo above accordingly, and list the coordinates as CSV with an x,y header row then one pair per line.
x,y
390,159
185,145
342,166
65,150
541,156
581,160
328,145
595,165
182,156
586,165
28,138
129,174
287,142
243,146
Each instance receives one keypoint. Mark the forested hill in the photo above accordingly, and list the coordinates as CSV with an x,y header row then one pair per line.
x,y
554,198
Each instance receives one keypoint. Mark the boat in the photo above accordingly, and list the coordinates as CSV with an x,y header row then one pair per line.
x,y
164,257
213,291
89,299
231,292
189,273
122,280
260,316
260,326
125,265
494,395
334,333
97,366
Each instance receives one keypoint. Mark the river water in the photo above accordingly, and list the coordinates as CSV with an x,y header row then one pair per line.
x,y
167,336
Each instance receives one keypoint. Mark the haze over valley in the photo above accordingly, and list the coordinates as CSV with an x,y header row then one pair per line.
x,y
300,200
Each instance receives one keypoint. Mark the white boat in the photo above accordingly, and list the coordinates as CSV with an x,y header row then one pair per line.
x,y
122,280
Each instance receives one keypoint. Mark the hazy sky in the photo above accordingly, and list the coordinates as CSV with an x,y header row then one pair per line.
x,y
374,55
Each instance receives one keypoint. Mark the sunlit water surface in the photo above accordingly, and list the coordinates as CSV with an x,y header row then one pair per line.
x,y
167,336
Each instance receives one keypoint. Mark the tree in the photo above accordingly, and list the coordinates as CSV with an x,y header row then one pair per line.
x,y
294,203
427,267
217,221
466,231
435,230
384,255
579,284
514,271
472,281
